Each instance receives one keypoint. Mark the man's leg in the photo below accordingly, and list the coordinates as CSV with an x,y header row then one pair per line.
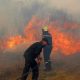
x,y
25,71
35,70
47,61
48,64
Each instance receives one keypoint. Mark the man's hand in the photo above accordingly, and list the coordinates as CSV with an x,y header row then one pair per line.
x,y
38,60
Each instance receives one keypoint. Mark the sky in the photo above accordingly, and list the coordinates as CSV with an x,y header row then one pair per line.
x,y
14,14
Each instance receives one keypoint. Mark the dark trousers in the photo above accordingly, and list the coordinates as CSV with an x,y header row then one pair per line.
x,y
47,53
30,64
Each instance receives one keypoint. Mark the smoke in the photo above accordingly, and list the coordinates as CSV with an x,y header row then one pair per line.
x,y
70,6
15,14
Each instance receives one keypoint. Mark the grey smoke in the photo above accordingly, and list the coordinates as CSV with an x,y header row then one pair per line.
x,y
15,14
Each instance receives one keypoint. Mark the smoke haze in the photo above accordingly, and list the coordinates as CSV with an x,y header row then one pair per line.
x,y
15,14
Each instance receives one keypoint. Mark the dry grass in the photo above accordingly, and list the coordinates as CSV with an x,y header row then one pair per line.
x,y
11,66
13,72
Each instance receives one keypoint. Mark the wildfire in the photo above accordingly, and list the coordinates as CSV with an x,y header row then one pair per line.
x,y
62,42
13,41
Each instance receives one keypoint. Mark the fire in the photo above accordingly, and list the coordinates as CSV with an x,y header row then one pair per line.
x,y
62,41
13,41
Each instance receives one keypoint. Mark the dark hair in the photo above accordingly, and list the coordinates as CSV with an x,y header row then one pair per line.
x,y
44,39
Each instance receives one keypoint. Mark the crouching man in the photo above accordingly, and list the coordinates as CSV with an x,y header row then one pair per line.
x,y
32,59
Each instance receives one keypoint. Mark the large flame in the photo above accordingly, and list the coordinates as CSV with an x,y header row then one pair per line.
x,y
62,41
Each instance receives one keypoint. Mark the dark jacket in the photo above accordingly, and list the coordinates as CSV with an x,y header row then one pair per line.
x,y
47,50
33,51
48,36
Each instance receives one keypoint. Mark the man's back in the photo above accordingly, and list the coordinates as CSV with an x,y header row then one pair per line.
x,y
33,51
48,36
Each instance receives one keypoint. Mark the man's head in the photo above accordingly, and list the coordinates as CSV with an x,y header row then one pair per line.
x,y
44,42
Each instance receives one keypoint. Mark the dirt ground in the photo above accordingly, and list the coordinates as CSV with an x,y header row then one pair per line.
x,y
13,72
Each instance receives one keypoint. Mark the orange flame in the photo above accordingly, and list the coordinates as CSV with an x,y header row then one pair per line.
x,y
13,41
62,42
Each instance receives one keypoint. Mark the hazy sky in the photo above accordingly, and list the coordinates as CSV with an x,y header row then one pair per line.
x,y
15,13
72,6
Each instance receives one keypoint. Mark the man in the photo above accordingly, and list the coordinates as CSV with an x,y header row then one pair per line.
x,y
31,56
47,49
